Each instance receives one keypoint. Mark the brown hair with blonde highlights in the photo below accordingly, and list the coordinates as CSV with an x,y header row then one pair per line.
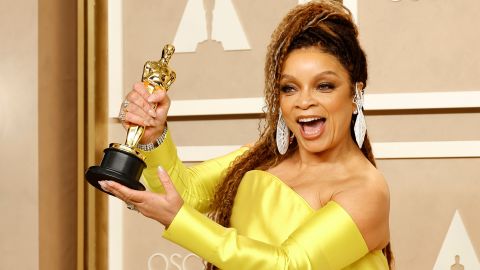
x,y
327,25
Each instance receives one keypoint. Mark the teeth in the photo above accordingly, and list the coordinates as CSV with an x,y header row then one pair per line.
x,y
304,120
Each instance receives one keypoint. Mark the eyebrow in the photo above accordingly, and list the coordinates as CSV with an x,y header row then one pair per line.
x,y
328,72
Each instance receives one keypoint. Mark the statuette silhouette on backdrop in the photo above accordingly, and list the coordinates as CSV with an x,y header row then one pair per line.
x,y
124,163
457,241
457,265
210,20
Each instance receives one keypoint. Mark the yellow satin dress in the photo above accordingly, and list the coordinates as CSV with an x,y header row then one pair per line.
x,y
272,227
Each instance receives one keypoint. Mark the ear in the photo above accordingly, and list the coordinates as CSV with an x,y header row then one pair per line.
x,y
358,86
354,106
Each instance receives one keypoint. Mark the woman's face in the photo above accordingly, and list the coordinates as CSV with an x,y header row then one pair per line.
x,y
316,99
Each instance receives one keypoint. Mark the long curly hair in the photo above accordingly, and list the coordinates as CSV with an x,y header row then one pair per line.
x,y
327,25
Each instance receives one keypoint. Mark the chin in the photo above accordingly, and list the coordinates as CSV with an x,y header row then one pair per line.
x,y
317,146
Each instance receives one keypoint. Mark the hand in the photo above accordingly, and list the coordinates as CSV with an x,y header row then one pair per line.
x,y
141,111
160,207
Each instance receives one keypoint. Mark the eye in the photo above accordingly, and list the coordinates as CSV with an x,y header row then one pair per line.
x,y
325,86
287,88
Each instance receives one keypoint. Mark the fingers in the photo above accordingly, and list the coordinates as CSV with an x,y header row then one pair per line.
x,y
136,115
122,192
139,97
163,104
144,108
126,125
157,96
139,87
173,200
167,183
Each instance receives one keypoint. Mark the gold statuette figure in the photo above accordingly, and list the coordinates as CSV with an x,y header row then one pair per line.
x,y
123,163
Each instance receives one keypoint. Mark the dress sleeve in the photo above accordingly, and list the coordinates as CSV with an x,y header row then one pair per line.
x,y
196,184
328,240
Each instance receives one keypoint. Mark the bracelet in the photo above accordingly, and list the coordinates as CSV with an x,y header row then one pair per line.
x,y
150,146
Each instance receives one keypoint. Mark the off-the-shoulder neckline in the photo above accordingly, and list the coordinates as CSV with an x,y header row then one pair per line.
x,y
283,184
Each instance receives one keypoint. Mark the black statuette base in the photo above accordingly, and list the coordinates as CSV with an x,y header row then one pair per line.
x,y
119,166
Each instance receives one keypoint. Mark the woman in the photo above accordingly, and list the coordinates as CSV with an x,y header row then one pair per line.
x,y
309,200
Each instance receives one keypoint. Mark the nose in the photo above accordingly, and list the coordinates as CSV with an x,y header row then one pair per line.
x,y
305,100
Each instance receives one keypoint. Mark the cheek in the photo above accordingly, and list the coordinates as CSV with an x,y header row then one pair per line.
x,y
338,105
340,113
285,106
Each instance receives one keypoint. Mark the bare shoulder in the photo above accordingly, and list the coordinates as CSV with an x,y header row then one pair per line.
x,y
367,200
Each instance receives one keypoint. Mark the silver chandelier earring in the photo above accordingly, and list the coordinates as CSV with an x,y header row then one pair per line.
x,y
283,135
360,127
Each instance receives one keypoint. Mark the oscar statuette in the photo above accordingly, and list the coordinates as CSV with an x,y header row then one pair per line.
x,y
124,163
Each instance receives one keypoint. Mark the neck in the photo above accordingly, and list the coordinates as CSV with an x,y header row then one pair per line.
x,y
346,152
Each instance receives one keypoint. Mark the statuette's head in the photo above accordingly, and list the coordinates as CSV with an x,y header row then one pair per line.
x,y
157,73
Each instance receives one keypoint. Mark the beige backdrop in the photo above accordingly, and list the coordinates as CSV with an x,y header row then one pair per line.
x,y
412,46
19,237
38,134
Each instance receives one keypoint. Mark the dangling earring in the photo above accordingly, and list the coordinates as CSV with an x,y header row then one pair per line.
x,y
360,127
283,134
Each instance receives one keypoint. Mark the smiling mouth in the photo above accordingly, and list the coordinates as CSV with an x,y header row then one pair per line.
x,y
312,127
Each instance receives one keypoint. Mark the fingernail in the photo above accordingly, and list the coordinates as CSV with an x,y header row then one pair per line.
x,y
160,169
103,185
